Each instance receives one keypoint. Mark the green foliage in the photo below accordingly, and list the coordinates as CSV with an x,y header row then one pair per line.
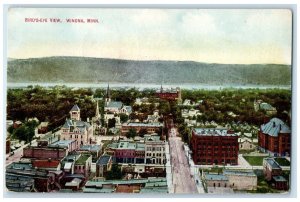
x,y
111,123
124,118
131,133
115,173
25,132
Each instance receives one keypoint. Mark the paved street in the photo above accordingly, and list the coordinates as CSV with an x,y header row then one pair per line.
x,y
183,181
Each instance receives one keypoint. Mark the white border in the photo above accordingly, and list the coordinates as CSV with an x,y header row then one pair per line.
x,y
160,3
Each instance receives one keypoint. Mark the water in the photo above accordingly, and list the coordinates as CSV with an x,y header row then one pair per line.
x,y
142,86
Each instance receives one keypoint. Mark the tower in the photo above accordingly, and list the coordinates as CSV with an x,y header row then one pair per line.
x,y
97,114
179,99
107,97
75,113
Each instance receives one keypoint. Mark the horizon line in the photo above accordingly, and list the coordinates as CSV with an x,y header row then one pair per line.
x,y
144,60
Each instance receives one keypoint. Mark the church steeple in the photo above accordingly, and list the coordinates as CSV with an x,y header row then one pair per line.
x,y
97,114
107,98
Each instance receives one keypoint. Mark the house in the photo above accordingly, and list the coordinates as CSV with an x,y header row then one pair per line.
x,y
43,128
75,129
247,143
155,150
274,138
17,124
103,165
217,146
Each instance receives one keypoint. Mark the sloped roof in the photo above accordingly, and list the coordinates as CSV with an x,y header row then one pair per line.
x,y
275,126
81,125
272,163
103,160
75,108
115,104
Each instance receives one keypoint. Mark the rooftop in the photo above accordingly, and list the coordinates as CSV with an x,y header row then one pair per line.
x,y
274,127
103,160
155,124
75,108
272,163
82,159
114,104
212,132
92,147
62,143
45,163
279,179
218,177
239,173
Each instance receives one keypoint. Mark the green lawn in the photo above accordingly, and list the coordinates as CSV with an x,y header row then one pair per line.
x,y
282,161
255,160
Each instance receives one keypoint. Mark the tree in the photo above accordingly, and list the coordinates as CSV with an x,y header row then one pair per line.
x,y
111,123
115,173
142,132
131,133
123,118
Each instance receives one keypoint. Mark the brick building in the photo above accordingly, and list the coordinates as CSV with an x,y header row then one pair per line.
x,y
44,153
169,94
274,137
214,146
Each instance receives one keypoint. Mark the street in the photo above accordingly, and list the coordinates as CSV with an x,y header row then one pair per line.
x,y
183,181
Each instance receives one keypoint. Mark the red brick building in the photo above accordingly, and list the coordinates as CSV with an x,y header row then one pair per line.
x,y
169,94
44,153
214,146
274,137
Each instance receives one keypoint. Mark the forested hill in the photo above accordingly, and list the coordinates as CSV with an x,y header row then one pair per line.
x,y
85,69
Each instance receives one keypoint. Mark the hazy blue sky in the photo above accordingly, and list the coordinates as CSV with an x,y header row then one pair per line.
x,y
215,36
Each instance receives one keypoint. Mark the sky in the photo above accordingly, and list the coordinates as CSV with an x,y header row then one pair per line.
x,y
231,36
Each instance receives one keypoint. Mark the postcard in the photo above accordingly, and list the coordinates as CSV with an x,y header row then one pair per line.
x,y
149,100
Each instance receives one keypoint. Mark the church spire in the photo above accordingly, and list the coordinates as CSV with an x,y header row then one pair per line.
x,y
107,98
97,111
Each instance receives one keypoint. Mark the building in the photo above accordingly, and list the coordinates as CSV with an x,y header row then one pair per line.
x,y
215,180
241,179
43,128
169,94
70,145
214,146
274,138
22,176
94,150
83,164
103,165
280,183
247,144
155,127
49,164
260,105
115,107
154,150
271,168
54,153
149,185
75,129
231,179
